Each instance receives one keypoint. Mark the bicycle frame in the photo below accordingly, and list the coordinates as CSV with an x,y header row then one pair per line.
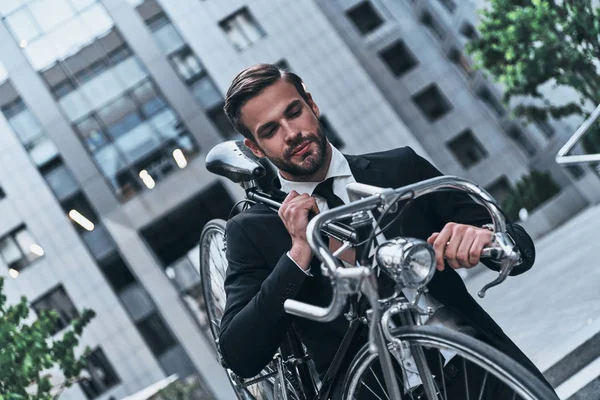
x,y
347,281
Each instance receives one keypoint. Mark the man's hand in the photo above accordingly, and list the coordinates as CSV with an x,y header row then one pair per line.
x,y
294,213
459,244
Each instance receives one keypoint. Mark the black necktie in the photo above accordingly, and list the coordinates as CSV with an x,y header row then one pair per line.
x,y
325,190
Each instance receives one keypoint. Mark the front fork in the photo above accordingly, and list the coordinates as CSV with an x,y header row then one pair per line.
x,y
382,342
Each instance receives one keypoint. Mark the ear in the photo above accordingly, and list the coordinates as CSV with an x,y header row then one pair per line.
x,y
251,144
313,106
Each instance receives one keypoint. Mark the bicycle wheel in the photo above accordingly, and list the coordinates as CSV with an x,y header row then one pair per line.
x,y
213,267
462,368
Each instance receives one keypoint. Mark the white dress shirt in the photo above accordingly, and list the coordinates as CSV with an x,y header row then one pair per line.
x,y
339,169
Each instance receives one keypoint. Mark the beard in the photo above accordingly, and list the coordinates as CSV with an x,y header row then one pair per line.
x,y
310,162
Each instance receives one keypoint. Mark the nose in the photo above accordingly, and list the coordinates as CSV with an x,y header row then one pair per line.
x,y
290,132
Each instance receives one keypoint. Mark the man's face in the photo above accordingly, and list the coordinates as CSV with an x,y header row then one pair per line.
x,y
286,130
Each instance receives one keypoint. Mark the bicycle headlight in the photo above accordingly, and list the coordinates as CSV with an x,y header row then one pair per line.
x,y
410,262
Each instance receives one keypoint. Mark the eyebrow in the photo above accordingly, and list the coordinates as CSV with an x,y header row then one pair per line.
x,y
271,123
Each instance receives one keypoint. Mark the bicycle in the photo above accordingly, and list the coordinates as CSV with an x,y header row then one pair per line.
x,y
410,361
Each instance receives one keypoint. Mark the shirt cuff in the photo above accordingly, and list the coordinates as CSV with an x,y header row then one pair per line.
x,y
306,271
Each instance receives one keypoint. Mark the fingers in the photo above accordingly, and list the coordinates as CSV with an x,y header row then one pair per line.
x,y
294,212
482,240
439,245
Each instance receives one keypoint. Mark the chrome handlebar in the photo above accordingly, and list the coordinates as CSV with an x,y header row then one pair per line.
x,y
365,198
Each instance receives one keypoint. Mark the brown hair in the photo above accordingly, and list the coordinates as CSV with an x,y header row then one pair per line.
x,y
251,82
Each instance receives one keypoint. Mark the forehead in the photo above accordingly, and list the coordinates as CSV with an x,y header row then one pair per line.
x,y
269,105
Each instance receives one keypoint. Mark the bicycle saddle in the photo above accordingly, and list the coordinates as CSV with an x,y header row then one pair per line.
x,y
234,161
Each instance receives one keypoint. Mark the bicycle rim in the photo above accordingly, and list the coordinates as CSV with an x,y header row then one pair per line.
x,y
471,370
213,267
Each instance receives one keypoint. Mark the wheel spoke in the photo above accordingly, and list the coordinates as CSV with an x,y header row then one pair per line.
x,y
441,362
371,390
483,385
466,378
379,383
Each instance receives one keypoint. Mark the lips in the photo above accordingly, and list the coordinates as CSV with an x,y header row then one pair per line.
x,y
302,148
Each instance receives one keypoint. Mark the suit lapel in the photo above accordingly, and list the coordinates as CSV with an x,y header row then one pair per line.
x,y
364,171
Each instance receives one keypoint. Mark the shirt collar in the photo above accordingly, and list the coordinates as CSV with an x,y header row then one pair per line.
x,y
337,168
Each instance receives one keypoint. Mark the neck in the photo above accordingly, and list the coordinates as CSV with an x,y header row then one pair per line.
x,y
318,176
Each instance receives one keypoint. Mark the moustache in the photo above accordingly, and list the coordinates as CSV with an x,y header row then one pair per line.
x,y
295,146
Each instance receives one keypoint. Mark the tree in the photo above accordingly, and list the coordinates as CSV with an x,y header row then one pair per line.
x,y
527,44
28,350
530,192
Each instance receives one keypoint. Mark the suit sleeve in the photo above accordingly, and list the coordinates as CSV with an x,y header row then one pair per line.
x,y
454,206
254,322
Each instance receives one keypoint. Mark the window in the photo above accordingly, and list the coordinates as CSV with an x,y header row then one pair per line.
x,y
187,65
491,101
516,134
221,122
467,149
99,375
156,334
206,92
79,210
332,136
461,61
450,5
398,58
242,29
57,300
364,17
468,30
165,33
116,272
2,193
19,249
433,25
432,103
60,180
500,189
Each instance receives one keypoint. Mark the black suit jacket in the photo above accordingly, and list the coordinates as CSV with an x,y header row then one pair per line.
x,y
261,277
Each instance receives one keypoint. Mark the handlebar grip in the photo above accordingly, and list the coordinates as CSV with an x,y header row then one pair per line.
x,y
491,252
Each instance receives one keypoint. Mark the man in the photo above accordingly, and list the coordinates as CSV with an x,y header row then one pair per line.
x,y
268,254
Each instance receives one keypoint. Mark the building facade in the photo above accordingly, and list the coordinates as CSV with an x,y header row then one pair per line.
x,y
109,107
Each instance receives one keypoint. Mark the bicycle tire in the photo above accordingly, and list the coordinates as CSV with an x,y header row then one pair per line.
x,y
505,369
213,293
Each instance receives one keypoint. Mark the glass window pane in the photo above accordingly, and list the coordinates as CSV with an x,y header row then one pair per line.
x,y
101,375
109,160
206,93
156,334
168,38
26,126
61,182
236,37
42,151
130,72
149,101
98,242
68,38
3,73
7,6
187,65
10,250
119,116
40,53
90,131
166,123
102,89
96,20
23,26
138,142
137,302
51,13
249,27
26,242
74,105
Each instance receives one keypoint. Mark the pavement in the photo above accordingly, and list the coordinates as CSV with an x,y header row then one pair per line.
x,y
552,312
